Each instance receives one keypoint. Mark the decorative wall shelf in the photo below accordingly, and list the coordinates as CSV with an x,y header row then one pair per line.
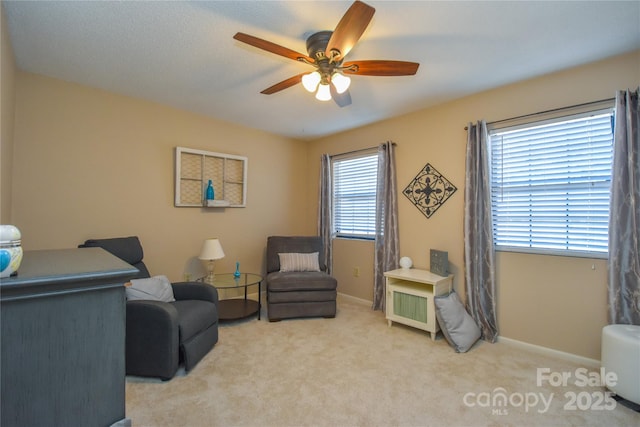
x,y
194,169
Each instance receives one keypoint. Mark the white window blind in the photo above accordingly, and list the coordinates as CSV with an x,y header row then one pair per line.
x,y
550,185
354,195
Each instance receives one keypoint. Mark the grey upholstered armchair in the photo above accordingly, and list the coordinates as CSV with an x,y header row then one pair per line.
x,y
294,293
161,335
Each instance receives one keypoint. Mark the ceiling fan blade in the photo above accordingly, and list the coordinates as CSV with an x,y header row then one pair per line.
x,y
271,47
349,30
342,99
291,81
381,68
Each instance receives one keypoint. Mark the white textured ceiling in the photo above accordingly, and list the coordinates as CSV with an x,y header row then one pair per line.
x,y
182,53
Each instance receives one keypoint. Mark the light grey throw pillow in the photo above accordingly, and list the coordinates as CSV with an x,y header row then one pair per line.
x,y
458,327
299,261
156,288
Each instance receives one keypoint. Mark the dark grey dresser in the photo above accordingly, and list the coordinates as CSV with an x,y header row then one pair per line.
x,y
62,337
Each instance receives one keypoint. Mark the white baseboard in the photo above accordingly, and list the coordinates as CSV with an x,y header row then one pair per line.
x,y
355,299
592,363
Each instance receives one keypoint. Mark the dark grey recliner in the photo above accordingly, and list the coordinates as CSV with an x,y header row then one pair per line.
x,y
161,335
298,293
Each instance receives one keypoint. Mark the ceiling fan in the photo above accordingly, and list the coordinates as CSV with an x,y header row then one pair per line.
x,y
326,53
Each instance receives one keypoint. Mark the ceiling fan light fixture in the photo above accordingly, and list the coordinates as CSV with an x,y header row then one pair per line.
x,y
310,81
324,92
326,51
340,82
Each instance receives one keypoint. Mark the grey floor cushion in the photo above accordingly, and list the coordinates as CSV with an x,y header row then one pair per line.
x,y
458,327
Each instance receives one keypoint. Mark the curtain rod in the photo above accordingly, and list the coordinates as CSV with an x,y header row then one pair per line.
x,y
358,151
553,110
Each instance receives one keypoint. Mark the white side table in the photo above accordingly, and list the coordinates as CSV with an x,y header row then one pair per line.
x,y
409,297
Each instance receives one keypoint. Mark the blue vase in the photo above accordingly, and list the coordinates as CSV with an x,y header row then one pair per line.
x,y
237,273
210,192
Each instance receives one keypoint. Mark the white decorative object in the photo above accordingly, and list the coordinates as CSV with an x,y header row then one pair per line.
x,y
406,262
10,250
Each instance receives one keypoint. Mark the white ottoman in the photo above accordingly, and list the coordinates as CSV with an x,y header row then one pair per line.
x,y
621,354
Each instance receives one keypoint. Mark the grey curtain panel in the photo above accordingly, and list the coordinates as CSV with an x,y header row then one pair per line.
x,y
479,253
624,214
387,243
324,210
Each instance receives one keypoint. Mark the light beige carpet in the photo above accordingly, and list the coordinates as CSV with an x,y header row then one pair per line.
x,y
354,370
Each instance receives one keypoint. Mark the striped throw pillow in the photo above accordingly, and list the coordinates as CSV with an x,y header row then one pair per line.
x,y
299,262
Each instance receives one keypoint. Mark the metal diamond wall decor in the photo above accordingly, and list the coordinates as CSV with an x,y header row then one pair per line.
x,y
429,190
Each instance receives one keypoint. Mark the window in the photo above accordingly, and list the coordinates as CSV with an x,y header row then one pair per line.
x,y
354,195
550,185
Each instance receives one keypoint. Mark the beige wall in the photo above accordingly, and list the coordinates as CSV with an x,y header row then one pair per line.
x,y
92,164
555,302
7,95
87,163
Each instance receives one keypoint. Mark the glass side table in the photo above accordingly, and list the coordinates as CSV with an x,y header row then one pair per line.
x,y
237,308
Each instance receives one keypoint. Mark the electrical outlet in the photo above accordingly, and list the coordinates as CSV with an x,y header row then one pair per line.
x,y
356,271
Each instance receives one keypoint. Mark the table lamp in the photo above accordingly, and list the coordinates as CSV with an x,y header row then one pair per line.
x,y
211,251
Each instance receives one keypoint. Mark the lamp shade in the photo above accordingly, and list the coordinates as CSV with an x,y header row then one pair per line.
x,y
310,81
324,92
340,82
211,249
